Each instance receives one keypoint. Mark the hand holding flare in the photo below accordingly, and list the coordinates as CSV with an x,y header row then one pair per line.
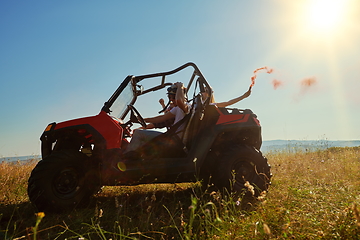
x,y
268,70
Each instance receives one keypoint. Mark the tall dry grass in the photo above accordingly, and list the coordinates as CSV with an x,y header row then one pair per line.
x,y
13,181
314,195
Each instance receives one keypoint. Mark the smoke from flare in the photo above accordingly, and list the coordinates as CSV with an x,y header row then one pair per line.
x,y
307,82
276,83
268,70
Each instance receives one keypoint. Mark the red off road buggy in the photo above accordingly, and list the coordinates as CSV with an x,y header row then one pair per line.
x,y
220,146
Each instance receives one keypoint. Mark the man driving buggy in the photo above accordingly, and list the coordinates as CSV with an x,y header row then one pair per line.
x,y
171,92
180,109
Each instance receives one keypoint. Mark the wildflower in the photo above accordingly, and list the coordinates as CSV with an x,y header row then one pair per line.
x,y
262,196
215,195
249,187
40,215
182,222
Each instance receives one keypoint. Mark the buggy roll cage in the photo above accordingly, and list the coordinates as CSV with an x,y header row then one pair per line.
x,y
203,85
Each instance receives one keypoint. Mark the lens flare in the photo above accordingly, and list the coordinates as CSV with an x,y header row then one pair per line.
x,y
121,166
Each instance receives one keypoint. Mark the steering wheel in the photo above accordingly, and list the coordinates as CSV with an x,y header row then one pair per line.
x,y
136,117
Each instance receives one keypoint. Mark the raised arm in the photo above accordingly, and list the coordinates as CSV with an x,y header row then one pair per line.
x,y
235,100
162,102
180,97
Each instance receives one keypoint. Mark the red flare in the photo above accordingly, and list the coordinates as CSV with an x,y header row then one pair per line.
x,y
268,70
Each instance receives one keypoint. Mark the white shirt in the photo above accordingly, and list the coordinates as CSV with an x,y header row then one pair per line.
x,y
179,114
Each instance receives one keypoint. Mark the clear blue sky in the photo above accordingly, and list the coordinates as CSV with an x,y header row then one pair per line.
x,y
61,60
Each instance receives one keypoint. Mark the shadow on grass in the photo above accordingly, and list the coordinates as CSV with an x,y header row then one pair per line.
x,y
15,218
120,213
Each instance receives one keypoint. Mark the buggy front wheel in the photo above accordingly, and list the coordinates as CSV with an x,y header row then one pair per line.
x,y
62,181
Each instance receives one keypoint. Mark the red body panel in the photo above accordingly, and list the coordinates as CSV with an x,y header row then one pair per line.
x,y
102,123
231,119
257,121
226,119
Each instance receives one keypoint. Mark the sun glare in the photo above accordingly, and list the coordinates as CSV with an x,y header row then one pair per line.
x,y
325,17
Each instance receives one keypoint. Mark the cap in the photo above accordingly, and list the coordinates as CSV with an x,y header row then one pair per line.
x,y
172,89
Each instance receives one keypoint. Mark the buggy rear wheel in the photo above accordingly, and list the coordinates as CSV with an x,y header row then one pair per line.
x,y
242,170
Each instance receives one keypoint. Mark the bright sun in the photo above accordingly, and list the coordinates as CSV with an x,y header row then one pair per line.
x,y
325,14
324,17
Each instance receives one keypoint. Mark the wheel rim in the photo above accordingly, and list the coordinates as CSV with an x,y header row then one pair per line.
x,y
242,172
66,183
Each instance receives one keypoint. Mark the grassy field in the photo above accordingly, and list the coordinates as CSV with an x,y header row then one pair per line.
x,y
314,195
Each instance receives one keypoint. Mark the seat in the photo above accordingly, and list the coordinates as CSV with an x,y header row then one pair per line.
x,y
193,124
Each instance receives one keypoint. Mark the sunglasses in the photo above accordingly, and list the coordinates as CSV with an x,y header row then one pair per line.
x,y
170,89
